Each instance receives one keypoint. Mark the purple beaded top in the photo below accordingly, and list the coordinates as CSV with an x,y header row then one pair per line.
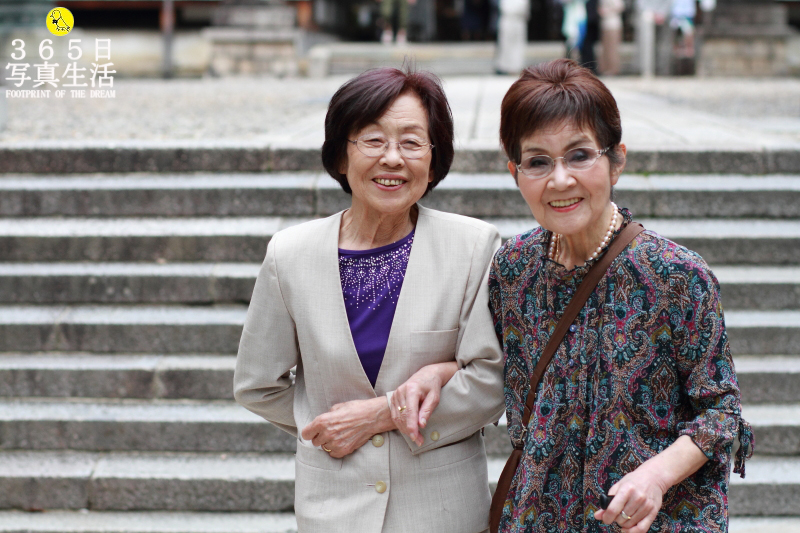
x,y
371,283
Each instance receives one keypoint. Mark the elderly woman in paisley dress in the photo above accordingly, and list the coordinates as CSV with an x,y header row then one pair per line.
x,y
641,399
357,319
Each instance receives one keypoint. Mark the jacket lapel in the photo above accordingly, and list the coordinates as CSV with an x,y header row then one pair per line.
x,y
394,369
346,364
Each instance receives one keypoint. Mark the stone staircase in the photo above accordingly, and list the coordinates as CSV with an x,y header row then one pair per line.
x,y
124,284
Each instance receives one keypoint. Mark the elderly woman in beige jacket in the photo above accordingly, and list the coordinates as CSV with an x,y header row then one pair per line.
x,y
355,318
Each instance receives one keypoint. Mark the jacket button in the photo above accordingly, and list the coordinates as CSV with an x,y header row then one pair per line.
x,y
435,436
380,487
377,441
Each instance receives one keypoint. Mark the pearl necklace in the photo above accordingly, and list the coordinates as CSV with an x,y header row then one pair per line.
x,y
555,239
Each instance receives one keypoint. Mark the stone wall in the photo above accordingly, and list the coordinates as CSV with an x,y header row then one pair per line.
x,y
758,56
255,39
745,38
252,51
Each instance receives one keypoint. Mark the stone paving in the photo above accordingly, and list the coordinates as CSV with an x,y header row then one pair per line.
x,y
115,383
667,113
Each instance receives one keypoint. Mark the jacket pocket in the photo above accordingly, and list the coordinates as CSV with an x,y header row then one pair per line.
x,y
452,453
316,458
429,347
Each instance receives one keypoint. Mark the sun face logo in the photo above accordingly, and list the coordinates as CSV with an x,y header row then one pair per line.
x,y
60,21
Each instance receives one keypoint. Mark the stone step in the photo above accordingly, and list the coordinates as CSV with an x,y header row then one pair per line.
x,y
199,522
777,428
771,488
719,241
743,287
768,378
146,481
189,376
315,193
85,521
764,332
135,425
758,288
741,524
83,157
191,283
764,379
138,329
138,239
186,426
263,482
167,195
217,329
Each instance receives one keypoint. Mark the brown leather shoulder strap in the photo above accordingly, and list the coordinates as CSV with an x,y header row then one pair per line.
x,y
585,290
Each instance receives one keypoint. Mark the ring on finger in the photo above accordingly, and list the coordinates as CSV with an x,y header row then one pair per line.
x,y
326,449
402,409
625,516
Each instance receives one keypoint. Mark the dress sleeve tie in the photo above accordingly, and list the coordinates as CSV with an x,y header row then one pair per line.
x,y
747,442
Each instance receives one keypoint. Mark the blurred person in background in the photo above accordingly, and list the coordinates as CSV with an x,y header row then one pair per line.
x,y
590,37
512,36
610,12
573,24
475,20
682,18
580,27
388,8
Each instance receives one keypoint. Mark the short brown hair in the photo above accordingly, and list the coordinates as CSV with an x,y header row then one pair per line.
x,y
555,92
362,100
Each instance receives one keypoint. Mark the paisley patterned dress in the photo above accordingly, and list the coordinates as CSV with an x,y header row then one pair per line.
x,y
646,361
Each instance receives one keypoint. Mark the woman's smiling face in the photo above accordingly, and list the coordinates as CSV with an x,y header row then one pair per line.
x,y
390,183
569,202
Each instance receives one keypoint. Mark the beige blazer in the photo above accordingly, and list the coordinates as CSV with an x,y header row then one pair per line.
x,y
297,318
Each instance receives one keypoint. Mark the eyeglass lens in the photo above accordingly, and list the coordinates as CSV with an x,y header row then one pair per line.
x,y
575,159
410,148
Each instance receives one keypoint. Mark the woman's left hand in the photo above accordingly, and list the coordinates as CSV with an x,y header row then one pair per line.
x,y
348,426
639,493
414,401
639,496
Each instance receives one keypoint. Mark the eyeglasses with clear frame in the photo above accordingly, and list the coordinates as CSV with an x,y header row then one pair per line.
x,y
540,166
376,145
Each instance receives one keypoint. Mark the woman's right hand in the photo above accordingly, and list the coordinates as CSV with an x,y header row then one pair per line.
x,y
413,402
